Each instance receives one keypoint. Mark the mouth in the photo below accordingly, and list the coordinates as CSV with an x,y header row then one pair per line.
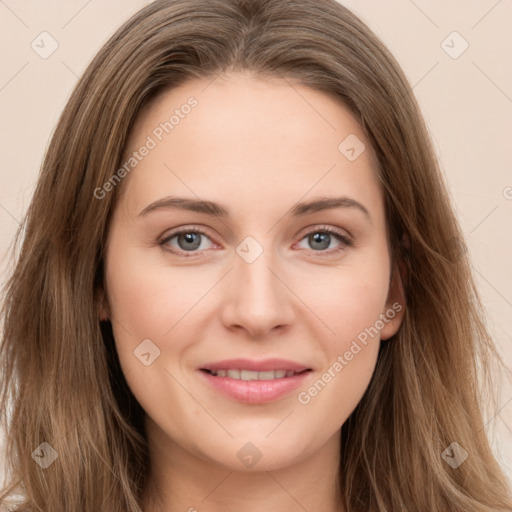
x,y
254,382
242,374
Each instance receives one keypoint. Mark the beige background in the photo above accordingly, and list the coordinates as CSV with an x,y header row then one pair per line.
x,y
467,102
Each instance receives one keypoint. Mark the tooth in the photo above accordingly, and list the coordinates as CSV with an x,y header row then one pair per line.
x,y
233,374
238,374
248,375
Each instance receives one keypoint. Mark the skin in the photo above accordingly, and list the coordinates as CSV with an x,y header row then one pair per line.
x,y
256,146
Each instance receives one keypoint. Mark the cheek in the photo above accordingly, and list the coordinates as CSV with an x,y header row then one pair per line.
x,y
151,307
361,302
146,297
348,301
350,306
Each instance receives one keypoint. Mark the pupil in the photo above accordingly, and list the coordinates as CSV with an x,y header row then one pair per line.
x,y
322,238
192,241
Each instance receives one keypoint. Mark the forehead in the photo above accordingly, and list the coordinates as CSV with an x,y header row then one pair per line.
x,y
246,141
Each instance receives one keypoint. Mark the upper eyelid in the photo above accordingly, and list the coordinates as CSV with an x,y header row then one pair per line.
x,y
324,227
186,229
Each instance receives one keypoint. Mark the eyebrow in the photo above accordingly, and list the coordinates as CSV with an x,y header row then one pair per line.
x,y
216,210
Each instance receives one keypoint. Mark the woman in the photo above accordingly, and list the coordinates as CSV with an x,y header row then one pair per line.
x,y
176,339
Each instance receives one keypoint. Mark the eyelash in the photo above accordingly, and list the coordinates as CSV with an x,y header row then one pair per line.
x,y
345,239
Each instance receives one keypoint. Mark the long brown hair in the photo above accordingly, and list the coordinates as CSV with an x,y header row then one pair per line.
x,y
62,384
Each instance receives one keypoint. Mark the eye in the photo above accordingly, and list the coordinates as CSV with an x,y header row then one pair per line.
x,y
320,239
188,239
193,239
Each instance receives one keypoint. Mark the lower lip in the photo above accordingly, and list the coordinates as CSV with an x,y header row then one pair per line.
x,y
255,391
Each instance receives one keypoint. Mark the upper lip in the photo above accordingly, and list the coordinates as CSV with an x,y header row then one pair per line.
x,y
256,365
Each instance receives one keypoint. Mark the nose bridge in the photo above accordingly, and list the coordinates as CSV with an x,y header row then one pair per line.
x,y
260,300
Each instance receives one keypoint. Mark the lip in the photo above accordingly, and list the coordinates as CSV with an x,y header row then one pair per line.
x,y
255,391
257,366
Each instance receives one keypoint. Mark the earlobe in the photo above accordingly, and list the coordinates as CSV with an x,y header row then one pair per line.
x,y
395,303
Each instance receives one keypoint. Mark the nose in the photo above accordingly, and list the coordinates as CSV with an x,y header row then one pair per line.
x,y
258,298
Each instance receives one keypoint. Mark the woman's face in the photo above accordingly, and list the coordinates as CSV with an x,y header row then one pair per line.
x,y
283,256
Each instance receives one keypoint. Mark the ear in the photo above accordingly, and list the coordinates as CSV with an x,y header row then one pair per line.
x,y
395,304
